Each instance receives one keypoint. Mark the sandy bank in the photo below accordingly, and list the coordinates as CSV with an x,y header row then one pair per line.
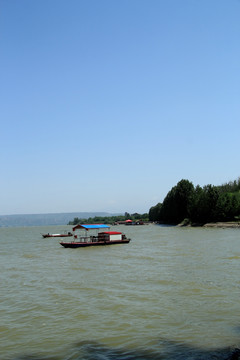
x,y
223,225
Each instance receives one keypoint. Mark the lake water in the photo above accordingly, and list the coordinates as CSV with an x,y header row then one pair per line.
x,y
171,293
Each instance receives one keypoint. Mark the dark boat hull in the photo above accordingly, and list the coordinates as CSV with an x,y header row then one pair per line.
x,y
56,235
76,244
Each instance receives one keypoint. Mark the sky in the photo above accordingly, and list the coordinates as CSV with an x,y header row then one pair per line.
x,y
108,104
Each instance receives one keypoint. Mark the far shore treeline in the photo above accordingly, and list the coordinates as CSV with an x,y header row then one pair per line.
x,y
110,219
186,204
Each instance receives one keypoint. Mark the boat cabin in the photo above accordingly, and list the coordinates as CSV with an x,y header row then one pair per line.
x,y
109,236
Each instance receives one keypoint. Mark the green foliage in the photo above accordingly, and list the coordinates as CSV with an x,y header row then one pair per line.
x,y
203,206
176,204
199,205
109,219
154,212
185,204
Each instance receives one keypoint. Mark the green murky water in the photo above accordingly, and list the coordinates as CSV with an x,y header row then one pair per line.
x,y
171,293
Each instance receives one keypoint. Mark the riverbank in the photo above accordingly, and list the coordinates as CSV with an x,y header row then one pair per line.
x,y
223,225
215,225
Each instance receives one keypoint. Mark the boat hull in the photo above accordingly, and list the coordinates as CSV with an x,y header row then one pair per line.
x,y
55,235
75,244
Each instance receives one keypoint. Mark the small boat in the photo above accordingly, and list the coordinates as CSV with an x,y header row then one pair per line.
x,y
66,234
101,238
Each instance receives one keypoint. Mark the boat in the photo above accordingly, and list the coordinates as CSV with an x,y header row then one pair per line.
x,y
66,234
100,238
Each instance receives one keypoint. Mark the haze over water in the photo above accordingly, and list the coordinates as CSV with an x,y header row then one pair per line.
x,y
171,293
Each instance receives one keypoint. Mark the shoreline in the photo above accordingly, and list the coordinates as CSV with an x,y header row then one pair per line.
x,y
234,225
215,225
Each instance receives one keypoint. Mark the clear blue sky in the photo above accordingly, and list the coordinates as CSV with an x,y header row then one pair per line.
x,y
107,104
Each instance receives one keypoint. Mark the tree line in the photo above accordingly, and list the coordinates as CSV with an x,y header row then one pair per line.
x,y
186,203
109,219
198,205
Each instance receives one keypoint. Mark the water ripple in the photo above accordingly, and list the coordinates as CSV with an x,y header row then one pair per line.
x,y
171,293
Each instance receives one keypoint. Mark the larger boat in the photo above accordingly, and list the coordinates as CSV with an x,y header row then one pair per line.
x,y
100,238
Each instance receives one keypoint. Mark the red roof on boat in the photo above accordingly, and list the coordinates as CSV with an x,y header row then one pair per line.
x,y
111,232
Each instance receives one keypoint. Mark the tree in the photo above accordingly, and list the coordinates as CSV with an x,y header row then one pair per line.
x,y
127,215
154,212
228,206
176,204
203,207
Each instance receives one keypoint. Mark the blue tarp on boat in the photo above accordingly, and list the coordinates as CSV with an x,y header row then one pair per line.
x,y
91,226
